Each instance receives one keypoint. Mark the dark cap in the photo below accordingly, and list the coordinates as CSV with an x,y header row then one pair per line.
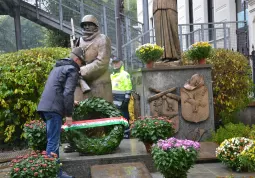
x,y
115,59
79,53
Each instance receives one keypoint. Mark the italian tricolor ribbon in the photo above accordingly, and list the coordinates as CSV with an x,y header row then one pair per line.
x,y
96,123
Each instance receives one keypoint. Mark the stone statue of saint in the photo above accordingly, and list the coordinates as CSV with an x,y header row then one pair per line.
x,y
97,49
166,28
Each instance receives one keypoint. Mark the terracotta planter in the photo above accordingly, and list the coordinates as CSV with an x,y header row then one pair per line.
x,y
150,65
202,61
148,146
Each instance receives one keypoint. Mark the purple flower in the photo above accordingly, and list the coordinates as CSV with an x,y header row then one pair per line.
x,y
177,143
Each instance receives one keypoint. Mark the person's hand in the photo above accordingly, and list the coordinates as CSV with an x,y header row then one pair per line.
x,y
76,103
69,121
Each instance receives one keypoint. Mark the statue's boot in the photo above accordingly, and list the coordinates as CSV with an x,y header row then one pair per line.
x,y
69,149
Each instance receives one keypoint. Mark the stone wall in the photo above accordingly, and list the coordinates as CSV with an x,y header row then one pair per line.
x,y
165,78
247,116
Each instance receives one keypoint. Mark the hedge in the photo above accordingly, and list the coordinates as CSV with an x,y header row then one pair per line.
x,y
23,75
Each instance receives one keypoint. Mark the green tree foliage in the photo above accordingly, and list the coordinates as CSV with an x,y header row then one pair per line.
x,y
7,34
32,35
23,75
56,38
130,8
232,83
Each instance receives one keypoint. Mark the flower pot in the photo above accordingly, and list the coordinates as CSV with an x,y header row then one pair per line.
x,y
148,146
150,64
202,61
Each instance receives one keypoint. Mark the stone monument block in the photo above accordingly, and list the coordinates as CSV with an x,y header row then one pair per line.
x,y
194,111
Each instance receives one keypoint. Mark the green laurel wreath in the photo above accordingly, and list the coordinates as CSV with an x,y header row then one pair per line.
x,y
88,141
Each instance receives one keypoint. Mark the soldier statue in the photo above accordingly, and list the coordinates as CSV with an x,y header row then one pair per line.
x,y
97,52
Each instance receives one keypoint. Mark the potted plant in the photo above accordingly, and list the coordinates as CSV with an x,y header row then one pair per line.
x,y
35,133
173,157
150,129
199,51
149,53
35,164
247,157
234,153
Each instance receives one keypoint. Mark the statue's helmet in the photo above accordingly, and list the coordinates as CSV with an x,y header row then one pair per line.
x,y
89,18
196,81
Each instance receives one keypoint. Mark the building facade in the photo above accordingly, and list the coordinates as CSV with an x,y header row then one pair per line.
x,y
221,22
251,22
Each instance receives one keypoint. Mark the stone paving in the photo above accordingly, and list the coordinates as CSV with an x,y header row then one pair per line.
x,y
134,148
211,170
205,170
127,170
4,173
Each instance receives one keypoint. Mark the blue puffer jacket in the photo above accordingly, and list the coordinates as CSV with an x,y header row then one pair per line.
x,y
58,94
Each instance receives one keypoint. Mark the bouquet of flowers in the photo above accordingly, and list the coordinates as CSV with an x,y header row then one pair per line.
x,y
149,52
174,157
199,50
35,164
35,133
150,129
231,150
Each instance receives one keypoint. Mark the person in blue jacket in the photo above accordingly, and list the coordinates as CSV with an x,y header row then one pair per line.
x,y
57,100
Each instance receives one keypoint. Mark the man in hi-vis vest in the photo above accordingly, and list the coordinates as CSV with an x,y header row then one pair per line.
x,y
121,88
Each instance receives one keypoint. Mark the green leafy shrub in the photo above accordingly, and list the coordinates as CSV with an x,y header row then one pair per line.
x,y
252,133
232,83
231,130
23,75
185,59
35,133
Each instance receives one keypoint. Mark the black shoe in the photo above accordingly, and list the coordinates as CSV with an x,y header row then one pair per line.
x,y
68,149
126,136
65,175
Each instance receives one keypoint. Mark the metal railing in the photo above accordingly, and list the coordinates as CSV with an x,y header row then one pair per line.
x,y
228,35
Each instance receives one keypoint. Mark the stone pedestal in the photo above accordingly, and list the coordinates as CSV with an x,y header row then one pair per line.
x,y
168,77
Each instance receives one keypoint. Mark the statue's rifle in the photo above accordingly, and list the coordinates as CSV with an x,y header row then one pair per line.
x,y
84,86
72,36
